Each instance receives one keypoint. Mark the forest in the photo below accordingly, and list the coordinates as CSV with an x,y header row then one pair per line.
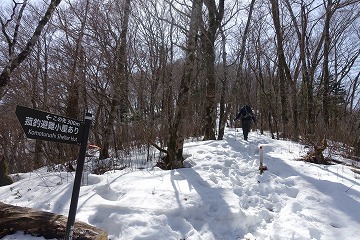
x,y
156,73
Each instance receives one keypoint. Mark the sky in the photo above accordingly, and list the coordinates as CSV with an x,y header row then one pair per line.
x,y
220,195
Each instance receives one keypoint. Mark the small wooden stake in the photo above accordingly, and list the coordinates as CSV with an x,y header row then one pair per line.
x,y
262,168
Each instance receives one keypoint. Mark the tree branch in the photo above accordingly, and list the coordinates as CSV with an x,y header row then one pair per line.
x,y
14,63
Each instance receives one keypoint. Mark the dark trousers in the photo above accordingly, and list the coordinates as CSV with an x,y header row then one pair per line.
x,y
246,124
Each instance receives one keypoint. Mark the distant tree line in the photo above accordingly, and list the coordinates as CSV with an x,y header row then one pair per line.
x,y
155,73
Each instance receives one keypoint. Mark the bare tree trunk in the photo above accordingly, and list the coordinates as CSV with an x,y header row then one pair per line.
x,y
75,77
210,102
307,80
314,62
35,99
215,16
326,74
175,144
282,65
224,110
355,85
302,63
120,78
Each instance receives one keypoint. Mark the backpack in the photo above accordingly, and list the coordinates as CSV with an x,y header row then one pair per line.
x,y
247,114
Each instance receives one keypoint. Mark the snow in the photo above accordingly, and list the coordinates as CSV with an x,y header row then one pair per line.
x,y
221,195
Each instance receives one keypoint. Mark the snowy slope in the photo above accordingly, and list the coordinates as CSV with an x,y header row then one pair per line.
x,y
222,196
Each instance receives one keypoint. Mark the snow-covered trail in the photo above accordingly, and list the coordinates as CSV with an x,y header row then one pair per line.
x,y
221,196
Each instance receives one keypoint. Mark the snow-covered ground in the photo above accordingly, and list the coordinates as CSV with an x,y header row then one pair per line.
x,y
222,196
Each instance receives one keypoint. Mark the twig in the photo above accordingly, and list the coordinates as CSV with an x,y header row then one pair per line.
x,y
349,188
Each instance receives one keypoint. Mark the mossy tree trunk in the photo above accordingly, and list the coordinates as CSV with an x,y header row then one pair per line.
x,y
4,178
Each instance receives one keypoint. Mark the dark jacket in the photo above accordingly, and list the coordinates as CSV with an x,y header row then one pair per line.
x,y
245,114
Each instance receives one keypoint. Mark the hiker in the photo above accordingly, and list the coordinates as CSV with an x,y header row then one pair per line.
x,y
246,115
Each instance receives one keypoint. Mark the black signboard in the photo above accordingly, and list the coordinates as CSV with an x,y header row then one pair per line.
x,y
50,127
